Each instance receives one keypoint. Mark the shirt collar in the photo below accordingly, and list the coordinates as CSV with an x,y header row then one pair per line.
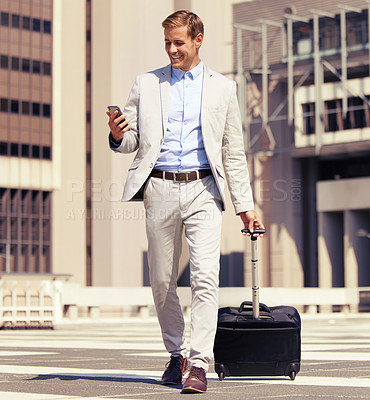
x,y
193,73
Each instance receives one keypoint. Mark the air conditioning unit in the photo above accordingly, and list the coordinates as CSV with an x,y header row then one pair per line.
x,y
304,46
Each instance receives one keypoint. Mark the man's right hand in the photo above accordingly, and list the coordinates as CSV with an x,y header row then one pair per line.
x,y
118,126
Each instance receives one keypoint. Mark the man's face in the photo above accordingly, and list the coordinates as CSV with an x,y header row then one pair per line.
x,y
181,48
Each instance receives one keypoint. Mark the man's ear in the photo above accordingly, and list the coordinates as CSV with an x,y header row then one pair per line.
x,y
198,40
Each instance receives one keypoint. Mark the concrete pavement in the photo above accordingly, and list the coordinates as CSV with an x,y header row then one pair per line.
x,y
126,360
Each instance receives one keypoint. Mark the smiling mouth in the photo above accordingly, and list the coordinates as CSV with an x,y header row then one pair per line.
x,y
176,58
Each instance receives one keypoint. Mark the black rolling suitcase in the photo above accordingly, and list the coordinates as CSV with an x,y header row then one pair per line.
x,y
256,340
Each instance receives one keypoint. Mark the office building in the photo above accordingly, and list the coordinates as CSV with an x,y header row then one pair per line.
x,y
303,69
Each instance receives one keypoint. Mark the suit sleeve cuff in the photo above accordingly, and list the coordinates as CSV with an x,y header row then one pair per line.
x,y
112,143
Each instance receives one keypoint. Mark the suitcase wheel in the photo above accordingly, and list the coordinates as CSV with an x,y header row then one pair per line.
x,y
221,370
292,370
221,375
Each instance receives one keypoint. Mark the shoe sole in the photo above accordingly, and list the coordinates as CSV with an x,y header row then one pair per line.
x,y
193,390
171,383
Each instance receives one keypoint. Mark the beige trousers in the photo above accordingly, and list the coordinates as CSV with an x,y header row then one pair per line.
x,y
170,206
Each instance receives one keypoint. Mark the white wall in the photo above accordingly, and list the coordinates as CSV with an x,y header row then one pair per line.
x,y
69,131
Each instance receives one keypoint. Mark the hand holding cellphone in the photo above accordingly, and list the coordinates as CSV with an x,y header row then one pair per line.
x,y
112,109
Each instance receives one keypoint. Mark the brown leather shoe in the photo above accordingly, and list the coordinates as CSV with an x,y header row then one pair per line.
x,y
196,382
175,369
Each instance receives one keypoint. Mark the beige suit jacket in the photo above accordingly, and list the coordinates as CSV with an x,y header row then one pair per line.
x,y
147,109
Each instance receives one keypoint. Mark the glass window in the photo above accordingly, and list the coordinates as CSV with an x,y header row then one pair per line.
x,y
30,235
3,199
302,38
46,153
356,115
4,62
14,149
24,201
36,67
357,28
25,150
25,107
47,26
4,105
333,110
35,151
36,109
36,25
3,148
26,65
308,118
26,23
16,21
47,68
2,226
4,19
35,204
15,63
13,200
46,110
329,31
14,230
14,106
46,203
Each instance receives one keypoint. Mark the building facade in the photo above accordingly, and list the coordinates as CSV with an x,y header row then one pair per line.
x,y
26,142
304,72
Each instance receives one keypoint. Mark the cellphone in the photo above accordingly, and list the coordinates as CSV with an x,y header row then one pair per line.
x,y
112,109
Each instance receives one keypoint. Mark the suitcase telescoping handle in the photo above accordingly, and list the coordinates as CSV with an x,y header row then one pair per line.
x,y
248,305
255,287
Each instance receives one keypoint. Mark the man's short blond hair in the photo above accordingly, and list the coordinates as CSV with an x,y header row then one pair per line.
x,y
185,18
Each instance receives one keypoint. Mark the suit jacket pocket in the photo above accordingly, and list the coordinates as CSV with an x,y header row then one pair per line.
x,y
220,171
135,164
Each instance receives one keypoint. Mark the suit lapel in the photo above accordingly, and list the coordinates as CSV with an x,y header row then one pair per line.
x,y
165,83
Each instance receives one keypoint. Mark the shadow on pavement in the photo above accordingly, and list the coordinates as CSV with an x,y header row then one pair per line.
x,y
101,377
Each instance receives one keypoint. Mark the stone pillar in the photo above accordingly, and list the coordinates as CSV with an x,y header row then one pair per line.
x,y
324,263
356,251
330,251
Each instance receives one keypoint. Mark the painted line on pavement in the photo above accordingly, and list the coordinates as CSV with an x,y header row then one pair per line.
x,y
7,353
138,374
41,396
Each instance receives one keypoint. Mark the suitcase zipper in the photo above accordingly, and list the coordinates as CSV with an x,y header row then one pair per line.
x,y
287,329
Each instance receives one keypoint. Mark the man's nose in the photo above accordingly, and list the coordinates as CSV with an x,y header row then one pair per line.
x,y
172,48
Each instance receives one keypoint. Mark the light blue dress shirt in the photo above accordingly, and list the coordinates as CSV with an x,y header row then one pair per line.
x,y
183,149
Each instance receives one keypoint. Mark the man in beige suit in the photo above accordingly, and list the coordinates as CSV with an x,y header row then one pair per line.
x,y
183,120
